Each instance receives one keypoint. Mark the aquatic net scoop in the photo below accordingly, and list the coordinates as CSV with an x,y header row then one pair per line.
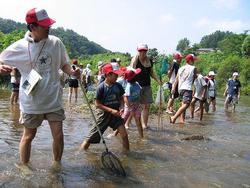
x,y
111,162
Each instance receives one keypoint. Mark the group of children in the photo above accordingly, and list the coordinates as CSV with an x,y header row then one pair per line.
x,y
115,103
117,99
188,84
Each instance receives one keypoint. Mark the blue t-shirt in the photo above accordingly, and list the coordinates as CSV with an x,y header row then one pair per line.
x,y
133,91
233,87
110,96
122,81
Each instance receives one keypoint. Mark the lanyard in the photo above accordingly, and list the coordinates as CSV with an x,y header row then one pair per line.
x,y
32,66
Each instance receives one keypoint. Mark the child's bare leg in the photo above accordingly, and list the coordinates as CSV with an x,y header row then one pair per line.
x,y
192,105
125,143
170,105
181,110
76,93
139,126
85,145
214,105
128,121
201,109
70,94
182,117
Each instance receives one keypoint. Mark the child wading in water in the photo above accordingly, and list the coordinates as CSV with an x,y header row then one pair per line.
x,y
200,95
132,98
108,100
184,79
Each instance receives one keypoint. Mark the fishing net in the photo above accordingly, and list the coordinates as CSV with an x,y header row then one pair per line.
x,y
112,163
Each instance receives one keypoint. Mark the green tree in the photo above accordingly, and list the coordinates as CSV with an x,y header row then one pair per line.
x,y
246,46
183,45
231,64
192,50
153,53
232,44
7,39
212,40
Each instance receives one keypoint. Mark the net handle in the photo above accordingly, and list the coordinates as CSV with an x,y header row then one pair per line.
x,y
93,115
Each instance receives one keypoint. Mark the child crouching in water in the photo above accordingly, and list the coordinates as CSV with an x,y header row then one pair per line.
x,y
109,97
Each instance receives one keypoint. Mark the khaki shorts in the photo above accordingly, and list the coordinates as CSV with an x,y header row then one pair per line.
x,y
146,95
33,121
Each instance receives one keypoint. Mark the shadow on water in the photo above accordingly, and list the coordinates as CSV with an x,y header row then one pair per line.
x,y
164,158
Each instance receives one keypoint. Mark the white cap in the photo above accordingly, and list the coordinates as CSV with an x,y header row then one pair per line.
x,y
235,74
88,66
142,46
211,73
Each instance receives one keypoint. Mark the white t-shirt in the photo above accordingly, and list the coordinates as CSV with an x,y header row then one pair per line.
x,y
199,83
52,57
87,73
186,76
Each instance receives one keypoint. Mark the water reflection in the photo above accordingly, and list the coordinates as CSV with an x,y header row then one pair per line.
x,y
14,115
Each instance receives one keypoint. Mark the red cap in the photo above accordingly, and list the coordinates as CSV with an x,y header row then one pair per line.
x,y
131,73
112,67
74,61
178,55
190,57
39,16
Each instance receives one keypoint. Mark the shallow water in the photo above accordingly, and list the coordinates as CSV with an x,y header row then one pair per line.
x,y
162,159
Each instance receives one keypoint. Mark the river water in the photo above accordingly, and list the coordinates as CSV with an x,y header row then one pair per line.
x,y
162,159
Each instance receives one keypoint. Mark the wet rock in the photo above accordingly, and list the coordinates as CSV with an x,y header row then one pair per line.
x,y
195,137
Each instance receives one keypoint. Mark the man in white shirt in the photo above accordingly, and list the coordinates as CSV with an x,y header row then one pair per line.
x,y
184,80
44,54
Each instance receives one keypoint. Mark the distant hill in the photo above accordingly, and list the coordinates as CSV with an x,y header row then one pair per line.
x,y
77,45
